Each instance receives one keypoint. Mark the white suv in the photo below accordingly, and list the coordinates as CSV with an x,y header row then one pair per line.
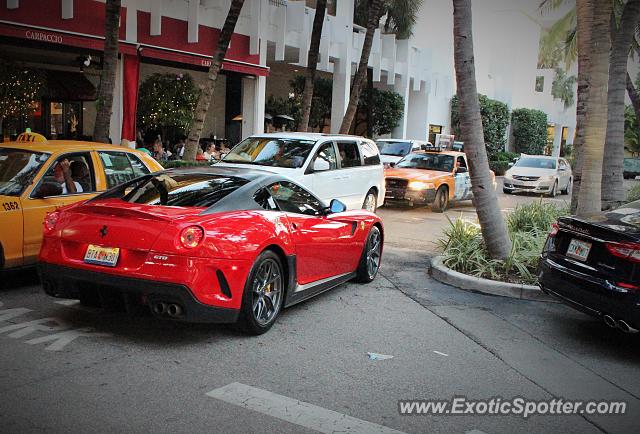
x,y
347,168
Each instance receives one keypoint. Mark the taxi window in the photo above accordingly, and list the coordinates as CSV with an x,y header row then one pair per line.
x,y
137,165
119,168
18,168
54,183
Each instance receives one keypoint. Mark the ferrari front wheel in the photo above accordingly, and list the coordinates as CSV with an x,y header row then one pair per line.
x,y
263,294
371,256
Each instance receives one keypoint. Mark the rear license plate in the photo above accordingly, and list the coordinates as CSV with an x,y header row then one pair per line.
x,y
102,255
578,249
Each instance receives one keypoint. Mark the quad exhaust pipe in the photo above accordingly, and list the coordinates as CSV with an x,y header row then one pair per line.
x,y
173,310
620,324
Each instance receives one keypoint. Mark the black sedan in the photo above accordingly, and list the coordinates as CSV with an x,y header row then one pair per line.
x,y
593,265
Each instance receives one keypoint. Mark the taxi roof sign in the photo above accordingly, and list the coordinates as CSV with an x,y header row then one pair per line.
x,y
29,137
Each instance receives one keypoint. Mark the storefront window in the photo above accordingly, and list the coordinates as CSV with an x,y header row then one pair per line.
x,y
56,120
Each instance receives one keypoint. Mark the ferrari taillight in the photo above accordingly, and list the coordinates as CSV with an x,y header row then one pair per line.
x,y
50,221
192,236
554,230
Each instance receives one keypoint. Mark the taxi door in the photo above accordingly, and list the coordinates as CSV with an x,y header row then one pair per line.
x,y
11,232
34,208
462,180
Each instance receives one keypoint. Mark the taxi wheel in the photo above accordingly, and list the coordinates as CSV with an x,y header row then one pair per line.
x,y
441,201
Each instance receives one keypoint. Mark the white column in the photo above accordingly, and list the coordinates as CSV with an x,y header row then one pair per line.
x,y
571,132
193,21
340,93
249,86
416,114
115,127
131,29
67,9
342,67
156,18
402,87
557,140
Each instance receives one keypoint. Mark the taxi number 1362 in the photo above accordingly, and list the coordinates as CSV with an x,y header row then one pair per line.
x,y
10,206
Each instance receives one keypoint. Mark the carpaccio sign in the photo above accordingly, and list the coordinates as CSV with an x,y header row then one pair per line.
x,y
86,29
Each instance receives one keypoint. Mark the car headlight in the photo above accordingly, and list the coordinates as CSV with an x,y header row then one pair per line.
x,y
419,185
547,178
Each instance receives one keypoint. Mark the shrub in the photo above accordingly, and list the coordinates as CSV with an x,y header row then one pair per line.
x,y
505,156
495,119
499,167
183,163
634,194
528,225
529,130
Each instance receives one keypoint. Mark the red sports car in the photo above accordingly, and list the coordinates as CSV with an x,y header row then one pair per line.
x,y
207,245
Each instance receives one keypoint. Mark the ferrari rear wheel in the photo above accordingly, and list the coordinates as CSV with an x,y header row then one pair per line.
x,y
371,257
263,294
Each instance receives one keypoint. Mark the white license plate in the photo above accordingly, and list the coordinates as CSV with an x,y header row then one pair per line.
x,y
102,255
579,249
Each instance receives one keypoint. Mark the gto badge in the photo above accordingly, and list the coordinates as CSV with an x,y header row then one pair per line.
x,y
104,231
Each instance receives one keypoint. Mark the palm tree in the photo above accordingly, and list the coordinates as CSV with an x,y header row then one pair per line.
x,y
595,125
494,230
372,24
312,64
108,74
633,96
562,87
207,90
613,191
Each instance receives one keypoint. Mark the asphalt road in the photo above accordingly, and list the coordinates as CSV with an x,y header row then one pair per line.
x,y
64,368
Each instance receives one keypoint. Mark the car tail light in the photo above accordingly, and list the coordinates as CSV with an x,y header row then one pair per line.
x,y
554,230
192,236
50,221
632,287
630,251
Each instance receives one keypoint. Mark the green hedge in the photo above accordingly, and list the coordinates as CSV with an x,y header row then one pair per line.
x,y
182,163
495,119
529,129
499,167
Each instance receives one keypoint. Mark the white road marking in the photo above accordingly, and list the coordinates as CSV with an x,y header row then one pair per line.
x,y
68,303
75,304
475,431
442,354
294,411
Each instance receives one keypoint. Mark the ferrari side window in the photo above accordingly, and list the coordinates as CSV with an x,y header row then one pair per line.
x,y
264,199
295,199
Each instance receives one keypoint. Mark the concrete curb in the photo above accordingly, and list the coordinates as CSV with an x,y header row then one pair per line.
x,y
485,286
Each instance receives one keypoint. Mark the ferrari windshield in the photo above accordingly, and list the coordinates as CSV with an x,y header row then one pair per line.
x,y
267,151
18,168
440,162
193,189
396,149
536,163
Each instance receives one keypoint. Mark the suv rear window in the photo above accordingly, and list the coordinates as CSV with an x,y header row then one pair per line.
x,y
193,189
370,154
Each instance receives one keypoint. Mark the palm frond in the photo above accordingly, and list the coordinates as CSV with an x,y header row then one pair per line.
x,y
547,6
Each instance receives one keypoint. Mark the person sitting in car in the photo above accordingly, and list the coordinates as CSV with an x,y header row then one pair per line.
x,y
80,174
62,174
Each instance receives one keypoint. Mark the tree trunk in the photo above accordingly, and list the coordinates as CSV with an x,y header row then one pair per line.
x,y
633,96
204,100
493,227
108,74
595,125
613,191
370,103
585,9
312,64
372,25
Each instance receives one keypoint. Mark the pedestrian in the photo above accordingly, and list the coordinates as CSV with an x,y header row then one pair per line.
x,y
158,151
179,149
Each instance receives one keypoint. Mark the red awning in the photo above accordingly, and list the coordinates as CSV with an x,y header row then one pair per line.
x,y
192,59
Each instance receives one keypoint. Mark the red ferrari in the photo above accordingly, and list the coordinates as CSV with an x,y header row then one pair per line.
x,y
207,245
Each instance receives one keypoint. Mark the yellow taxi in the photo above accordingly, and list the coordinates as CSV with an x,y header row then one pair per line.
x,y
435,177
37,176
